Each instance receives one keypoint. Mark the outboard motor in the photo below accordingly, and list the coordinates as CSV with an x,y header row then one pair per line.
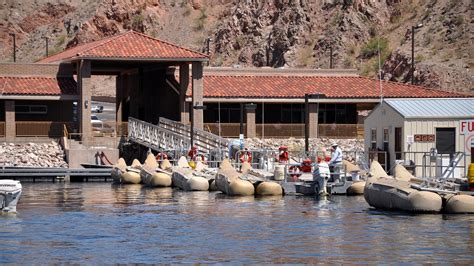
x,y
10,191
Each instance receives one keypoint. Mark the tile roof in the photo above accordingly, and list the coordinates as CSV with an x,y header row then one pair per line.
x,y
50,86
127,45
237,86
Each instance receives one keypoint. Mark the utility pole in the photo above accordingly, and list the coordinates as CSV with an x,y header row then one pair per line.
x,y
306,123
46,38
208,49
413,28
330,57
14,46
412,55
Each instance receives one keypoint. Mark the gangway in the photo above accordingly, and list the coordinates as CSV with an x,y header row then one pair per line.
x,y
172,135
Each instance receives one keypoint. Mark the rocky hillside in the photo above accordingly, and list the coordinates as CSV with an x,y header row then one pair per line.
x,y
275,33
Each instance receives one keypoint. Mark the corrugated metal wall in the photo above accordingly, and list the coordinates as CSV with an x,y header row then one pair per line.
x,y
412,127
384,116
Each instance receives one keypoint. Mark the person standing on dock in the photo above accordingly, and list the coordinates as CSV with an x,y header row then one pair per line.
x,y
335,163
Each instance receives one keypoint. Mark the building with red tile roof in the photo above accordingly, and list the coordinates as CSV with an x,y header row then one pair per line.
x,y
342,87
130,45
341,100
147,88
139,62
38,86
254,83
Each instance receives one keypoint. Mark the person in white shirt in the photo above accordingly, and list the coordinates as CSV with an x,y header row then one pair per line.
x,y
321,175
335,163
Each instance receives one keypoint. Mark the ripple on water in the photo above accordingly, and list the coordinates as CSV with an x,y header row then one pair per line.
x,y
100,223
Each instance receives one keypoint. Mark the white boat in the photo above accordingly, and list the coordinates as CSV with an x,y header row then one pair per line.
x,y
10,192
121,174
185,178
385,192
153,176
228,181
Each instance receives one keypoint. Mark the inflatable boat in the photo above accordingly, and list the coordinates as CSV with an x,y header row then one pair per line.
x,y
260,179
385,192
152,175
459,204
121,174
229,182
185,178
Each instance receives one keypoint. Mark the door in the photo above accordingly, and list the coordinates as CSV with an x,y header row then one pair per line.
x,y
446,140
398,143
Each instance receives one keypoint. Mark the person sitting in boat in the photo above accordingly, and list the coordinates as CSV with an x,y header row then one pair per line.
x,y
335,164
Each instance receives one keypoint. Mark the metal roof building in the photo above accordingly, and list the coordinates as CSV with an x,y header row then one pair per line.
x,y
406,129
433,108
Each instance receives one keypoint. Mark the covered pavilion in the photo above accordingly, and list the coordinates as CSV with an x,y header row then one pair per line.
x,y
146,87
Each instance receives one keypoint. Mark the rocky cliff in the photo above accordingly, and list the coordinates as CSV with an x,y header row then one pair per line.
x,y
277,33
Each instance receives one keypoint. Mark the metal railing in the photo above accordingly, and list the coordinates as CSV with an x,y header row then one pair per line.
x,y
171,135
232,130
205,141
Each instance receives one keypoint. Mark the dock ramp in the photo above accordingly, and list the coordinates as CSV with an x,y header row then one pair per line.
x,y
171,135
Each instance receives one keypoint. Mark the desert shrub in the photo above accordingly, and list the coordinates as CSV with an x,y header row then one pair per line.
x,y
370,49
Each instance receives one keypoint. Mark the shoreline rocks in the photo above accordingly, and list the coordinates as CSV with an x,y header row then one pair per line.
x,y
31,154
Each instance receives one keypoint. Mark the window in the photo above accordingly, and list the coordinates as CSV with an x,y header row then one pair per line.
x,y
31,109
337,113
292,113
229,113
385,141
373,138
385,135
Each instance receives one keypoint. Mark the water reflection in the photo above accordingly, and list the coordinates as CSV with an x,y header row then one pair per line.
x,y
103,223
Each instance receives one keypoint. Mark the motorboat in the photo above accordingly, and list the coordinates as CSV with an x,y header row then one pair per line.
x,y
123,174
10,192
228,180
385,192
188,179
154,176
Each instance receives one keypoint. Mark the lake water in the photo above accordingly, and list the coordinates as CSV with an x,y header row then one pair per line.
x,y
101,223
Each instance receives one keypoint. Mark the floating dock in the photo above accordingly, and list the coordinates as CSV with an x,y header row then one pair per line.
x,y
34,174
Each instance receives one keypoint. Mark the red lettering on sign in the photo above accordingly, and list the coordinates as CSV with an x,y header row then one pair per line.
x,y
467,126
424,138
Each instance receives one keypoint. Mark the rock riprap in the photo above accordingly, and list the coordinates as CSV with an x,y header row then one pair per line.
x,y
32,154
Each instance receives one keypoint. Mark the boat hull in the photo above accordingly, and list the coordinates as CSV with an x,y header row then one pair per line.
x,y
228,182
357,188
130,177
388,193
185,180
460,204
268,189
116,175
